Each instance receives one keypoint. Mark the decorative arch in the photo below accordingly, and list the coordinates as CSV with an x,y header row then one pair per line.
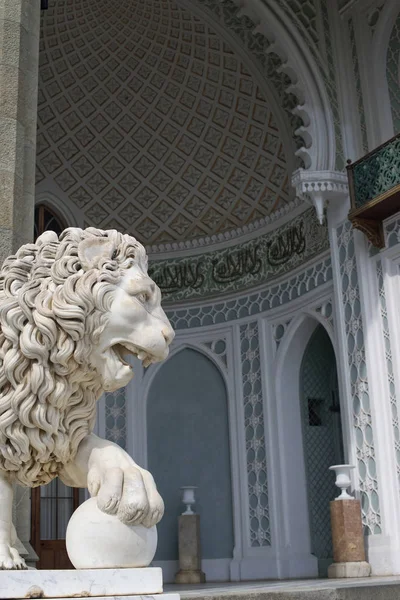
x,y
176,349
295,518
59,207
185,412
139,409
291,331
379,53
47,219
148,378
322,436
314,108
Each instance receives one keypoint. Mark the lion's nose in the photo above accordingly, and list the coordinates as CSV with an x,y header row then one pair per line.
x,y
168,334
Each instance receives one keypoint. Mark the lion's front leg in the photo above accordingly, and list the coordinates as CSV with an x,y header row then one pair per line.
x,y
9,556
121,486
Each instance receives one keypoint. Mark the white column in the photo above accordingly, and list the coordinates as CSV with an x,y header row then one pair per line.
x,y
366,401
19,62
384,552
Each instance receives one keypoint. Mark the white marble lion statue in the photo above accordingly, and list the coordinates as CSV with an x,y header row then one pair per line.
x,y
71,308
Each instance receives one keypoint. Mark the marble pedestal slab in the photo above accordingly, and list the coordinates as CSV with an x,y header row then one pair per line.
x,y
347,540
189,551
85,583
347,531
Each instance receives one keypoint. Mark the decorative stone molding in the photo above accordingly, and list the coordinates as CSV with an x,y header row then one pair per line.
x,y
243,266
318,187
219,349
307,83
272,296
360,387
214,242
257,469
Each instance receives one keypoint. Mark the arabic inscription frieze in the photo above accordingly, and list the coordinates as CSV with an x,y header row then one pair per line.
x,y
243,266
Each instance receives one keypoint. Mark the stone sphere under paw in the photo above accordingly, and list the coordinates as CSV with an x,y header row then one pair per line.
x,y
96,540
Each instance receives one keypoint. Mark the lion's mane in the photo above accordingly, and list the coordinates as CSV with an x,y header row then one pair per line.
x,y
52,312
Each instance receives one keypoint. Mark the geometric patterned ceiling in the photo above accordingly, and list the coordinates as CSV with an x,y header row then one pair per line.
x,y
149,122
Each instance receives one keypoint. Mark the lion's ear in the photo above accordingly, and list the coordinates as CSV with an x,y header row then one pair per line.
x,y
92,249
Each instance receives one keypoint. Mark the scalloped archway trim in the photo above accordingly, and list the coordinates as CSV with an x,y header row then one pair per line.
x,y
317,131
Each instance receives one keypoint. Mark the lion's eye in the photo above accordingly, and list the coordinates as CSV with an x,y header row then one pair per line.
x,y
143,297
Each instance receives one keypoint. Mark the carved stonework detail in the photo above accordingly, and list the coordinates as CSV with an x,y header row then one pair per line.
x,y
242,266
320,187
168,142
247,305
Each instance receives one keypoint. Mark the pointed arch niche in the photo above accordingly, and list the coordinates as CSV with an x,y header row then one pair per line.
x,y
188,443
306,380
322,439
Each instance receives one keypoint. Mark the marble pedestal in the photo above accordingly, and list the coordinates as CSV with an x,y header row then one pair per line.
x,y
86,583
347,540
189,550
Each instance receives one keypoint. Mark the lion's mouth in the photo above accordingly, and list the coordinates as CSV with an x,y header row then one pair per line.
x,y
126,349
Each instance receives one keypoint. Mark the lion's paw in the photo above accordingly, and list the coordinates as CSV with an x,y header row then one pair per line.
x,y
10,558
155,509
140,503
130,493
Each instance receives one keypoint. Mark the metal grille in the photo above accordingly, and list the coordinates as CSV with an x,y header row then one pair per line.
x,y
322,436
56,508
116,417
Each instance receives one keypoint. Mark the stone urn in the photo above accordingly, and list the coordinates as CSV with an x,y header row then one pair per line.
x,y
188,498
343,480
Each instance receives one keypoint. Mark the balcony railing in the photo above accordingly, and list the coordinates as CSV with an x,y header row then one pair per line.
x,y
374,182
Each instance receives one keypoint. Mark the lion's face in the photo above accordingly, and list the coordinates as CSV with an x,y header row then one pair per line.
x,y
137,325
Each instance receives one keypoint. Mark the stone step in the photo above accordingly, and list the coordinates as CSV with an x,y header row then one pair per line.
x,y
374,588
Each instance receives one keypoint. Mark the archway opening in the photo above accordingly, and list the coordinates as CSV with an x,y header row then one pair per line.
x,y
188,444
46,219
322,439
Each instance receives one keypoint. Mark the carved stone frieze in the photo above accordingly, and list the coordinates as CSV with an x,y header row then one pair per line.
x,y
320,187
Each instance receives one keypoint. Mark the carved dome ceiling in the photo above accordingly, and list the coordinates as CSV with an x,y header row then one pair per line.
x,y
151,123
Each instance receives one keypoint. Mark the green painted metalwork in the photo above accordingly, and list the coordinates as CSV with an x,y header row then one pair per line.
x,y
377,173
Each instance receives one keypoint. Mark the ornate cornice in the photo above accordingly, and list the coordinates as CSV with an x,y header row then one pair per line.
x,y
243,305
318,187
243,266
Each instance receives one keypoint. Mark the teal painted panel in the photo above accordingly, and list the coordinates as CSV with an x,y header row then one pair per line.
x,y
188,444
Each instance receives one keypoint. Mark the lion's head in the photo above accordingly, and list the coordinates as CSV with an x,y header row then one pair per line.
x,y
71,308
